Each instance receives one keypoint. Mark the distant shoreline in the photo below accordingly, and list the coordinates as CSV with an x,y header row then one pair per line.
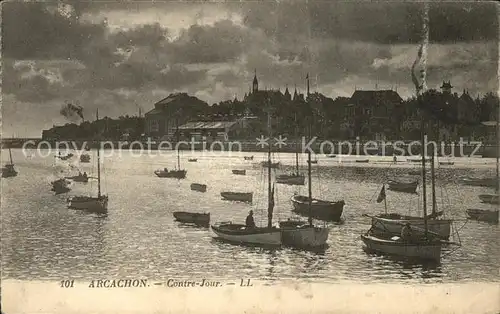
x,y
358,148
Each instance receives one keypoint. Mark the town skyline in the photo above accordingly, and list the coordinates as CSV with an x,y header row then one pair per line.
x,y
124,57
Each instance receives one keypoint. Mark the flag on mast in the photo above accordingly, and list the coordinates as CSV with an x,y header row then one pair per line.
x,y
381,195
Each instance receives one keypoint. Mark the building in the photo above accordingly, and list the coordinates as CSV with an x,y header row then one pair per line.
x,y
215,130
172,112
374,113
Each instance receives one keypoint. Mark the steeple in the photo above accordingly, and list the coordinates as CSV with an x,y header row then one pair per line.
x,y
287,93
295,94
255,84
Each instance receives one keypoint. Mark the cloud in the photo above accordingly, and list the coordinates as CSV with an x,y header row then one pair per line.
x,y
36,30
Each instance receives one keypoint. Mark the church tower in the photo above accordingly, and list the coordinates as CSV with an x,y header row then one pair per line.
x,y
255,84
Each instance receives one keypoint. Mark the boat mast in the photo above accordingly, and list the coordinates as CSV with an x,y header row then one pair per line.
x,y
177,135
433,181
296,148
10,154
497,185
270,196
309,160
420,88
98,162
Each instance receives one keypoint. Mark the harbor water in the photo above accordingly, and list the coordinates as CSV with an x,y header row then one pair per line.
x,y
139,238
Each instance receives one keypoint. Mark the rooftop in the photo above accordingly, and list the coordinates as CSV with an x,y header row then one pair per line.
x,y
207,125
371,95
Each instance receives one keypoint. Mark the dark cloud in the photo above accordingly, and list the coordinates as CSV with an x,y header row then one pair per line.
x,y
222,42
35,30
387,23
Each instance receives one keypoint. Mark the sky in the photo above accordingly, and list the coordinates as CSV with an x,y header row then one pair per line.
x,y
122,56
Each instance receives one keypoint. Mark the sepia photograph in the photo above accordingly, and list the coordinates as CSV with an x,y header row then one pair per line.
x,y
250,157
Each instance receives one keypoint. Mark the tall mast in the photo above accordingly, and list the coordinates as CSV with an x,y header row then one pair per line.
x,y
98,161
309,186
309,160
421,86
497,125
296,148
270,196
177,132
433,181
10,154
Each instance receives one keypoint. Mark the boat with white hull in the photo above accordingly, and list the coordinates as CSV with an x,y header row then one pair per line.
x,y
251,234
421,250
238,233
393,225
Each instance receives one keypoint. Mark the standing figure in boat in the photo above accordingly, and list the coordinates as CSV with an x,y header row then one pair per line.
x,y
406,235
249,222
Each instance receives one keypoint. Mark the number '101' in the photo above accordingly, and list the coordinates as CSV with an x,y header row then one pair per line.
x,y
67,283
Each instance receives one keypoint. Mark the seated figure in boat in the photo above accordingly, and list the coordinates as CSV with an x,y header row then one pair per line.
x,y
85,174
406,235
165,169
250,223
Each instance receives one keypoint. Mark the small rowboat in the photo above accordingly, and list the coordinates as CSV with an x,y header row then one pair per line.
x,y
398,186
199,219
313,162
192,159
248,157
238,196
483,215
273,164
199,187
237,233
446,163
165,173
240,172
489,198
320,209
364,161
85,158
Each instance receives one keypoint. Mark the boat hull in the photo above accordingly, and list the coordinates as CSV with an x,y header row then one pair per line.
x,y
240,234
8,171
407,187
489,198
426,251
91,204
291,179
322,210
304,236
199,187
393,226
273,164
483,215
201,219
236,196
485,182
239,172
177,174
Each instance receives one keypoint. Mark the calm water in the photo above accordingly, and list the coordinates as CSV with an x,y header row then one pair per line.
x,y
42,239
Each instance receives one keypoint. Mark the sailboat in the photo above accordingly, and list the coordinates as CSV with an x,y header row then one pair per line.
x,y
427,246
9,170
489,215
97,204
241,234
295,178
177,173
393,222
301,234
316,208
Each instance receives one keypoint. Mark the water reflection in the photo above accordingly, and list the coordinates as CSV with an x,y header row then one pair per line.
x,y
42,239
